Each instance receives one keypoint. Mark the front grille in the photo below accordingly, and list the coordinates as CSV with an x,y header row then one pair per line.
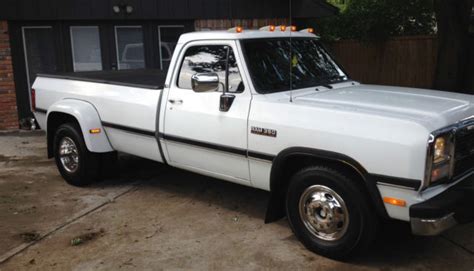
x,y
464,154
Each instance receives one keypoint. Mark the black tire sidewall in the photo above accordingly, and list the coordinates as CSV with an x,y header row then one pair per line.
x,y
354,201
80,176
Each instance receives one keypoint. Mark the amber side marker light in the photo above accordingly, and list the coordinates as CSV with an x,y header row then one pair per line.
x,y
394,201
94,131
293,28
283,28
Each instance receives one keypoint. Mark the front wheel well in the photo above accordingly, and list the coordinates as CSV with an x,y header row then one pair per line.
x,y
288,164
56,119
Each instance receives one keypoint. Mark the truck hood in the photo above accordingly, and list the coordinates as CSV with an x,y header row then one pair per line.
x,y
432,109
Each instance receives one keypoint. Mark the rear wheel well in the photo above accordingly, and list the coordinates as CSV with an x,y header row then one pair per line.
x,y
285,168
56,119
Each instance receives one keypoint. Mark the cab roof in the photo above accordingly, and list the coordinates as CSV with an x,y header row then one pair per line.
x,y
245,34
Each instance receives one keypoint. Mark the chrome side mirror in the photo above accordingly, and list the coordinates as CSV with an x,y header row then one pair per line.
x,y
205,82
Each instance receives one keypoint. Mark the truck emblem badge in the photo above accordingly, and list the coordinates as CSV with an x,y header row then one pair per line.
x,y
263,131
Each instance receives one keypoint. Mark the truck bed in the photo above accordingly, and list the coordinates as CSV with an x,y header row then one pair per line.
x,y
153,79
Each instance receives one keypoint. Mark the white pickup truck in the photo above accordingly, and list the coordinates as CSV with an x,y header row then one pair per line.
x,y
335,155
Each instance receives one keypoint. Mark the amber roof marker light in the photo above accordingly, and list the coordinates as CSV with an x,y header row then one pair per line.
x,y
237,29
308,30
270,28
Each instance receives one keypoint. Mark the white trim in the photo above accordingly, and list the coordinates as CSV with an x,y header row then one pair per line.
x,y
26,55
72,44
116,41
159,40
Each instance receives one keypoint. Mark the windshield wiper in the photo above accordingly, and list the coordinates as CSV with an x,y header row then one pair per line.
x,y
326,85
329,80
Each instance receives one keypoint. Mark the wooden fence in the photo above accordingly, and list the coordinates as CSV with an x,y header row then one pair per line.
x,y
402,61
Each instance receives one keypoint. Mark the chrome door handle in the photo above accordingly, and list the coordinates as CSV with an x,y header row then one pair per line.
x,y
173,101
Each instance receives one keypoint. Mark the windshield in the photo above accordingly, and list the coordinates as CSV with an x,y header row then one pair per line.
x,y
269,63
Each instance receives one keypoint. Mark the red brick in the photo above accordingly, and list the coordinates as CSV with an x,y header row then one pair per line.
x,y
8,107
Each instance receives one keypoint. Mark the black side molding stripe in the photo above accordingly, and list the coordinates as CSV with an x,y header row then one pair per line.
x,y
389,180
409,183
129,129
261,156
41,110
205,145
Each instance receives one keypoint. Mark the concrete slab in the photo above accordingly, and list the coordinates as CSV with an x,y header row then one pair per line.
x,y
171,219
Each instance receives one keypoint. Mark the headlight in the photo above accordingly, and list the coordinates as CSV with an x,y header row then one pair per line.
x,y
441,152
439,159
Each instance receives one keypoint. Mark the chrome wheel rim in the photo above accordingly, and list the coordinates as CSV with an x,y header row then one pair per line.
x,y
68,154
324,212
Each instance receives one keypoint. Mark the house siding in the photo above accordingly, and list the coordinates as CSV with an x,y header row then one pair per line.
x,y
245,23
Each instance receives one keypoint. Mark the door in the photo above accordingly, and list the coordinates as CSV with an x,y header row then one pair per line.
x,y
198,136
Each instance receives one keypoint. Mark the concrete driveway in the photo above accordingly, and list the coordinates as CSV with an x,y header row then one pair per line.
x,y
147,216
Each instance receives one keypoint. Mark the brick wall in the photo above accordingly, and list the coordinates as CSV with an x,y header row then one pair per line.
x,y
8,110
245,23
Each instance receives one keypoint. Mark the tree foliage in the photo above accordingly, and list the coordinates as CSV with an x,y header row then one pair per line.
x,y
375,20
455,67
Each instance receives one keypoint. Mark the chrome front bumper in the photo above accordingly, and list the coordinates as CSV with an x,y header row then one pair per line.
x,y
429,227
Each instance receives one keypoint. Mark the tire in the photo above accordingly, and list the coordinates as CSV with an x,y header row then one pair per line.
x,y
78,166
338,232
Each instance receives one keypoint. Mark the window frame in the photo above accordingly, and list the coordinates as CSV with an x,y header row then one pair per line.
x,y
182,56
159,40
117,52
72,45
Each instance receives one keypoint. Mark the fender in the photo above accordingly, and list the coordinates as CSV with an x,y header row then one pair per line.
x,y
88,118
276,205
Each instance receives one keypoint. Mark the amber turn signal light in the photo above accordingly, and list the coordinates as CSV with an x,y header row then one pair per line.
x,y
394,201
94,131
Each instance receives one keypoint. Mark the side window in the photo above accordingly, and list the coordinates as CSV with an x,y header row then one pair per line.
x,y
212,58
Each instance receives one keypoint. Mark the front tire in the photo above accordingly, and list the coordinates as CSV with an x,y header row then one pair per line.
x,y
77,165
329,213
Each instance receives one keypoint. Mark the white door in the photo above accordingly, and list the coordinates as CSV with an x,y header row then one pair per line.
x,y
198,136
